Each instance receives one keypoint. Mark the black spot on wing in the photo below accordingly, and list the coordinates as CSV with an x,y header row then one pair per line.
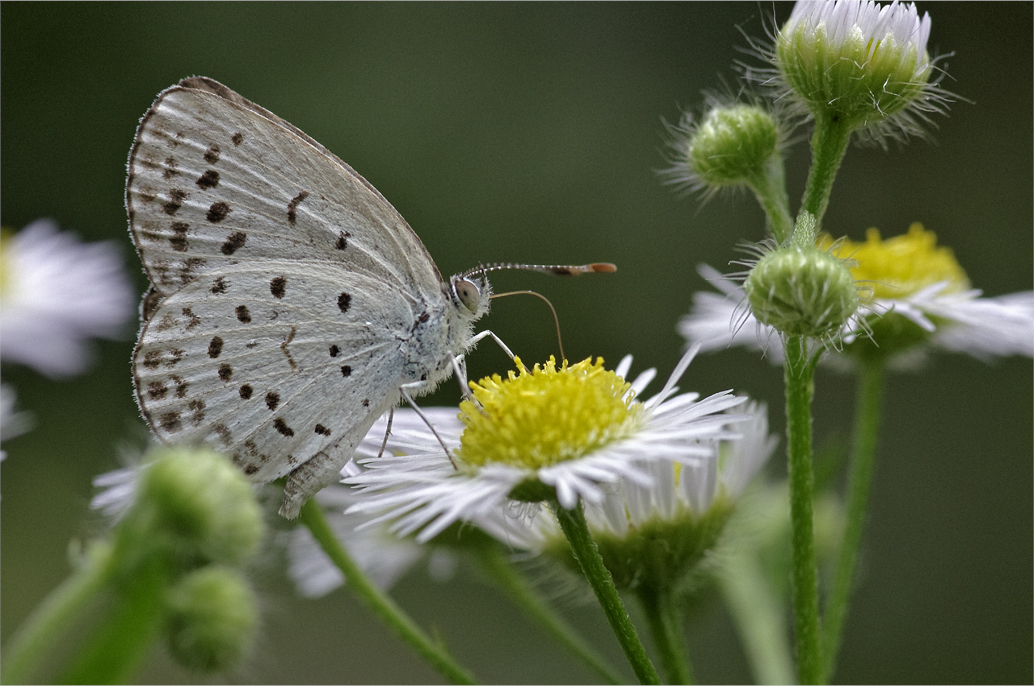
x,y
342,240
178,240
193,321
243,315
156,390
212,154
322,430
293,206
217,212
237,138
171,168
246,392
170,421
235,241
344,301
215,347
334,351
181,386
208,180
281,426
225,372
197,411
278,286
272,400
176,198
219,285
346,370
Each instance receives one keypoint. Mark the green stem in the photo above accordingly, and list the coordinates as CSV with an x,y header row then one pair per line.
x,y
770,190
759,618
123,640
828,146
800,387
31,646
863,452
377,601
585,551
495,563
665,620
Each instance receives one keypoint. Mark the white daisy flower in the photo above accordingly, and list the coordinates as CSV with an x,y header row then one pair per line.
x,y
916,297
573,434
55,294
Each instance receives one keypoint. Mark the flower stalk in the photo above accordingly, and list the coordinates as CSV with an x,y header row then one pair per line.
x,y
665,621
576,529
800,388
863,454
828,147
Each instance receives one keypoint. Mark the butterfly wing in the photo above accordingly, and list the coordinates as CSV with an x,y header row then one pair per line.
x,y
257,362
283,284
215,180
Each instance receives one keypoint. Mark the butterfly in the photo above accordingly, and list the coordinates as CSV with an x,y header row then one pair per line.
x,y
291,304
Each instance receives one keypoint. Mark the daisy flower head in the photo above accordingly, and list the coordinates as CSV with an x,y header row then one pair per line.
x,y
860,64
915,298
567,434
55,294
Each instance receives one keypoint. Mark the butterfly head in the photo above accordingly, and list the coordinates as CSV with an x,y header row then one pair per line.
x,y
470,294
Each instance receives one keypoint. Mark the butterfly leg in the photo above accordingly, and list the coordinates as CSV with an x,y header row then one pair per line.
x,y
387,431
404,390
486,334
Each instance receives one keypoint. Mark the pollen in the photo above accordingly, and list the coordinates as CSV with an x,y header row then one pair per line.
x,y
900,266
543,416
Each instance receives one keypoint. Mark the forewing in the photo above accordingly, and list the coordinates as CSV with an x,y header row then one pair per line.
x,y
272,363
215,180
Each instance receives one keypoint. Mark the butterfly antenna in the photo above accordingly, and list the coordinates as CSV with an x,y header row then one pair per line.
x,y
555,269
556,319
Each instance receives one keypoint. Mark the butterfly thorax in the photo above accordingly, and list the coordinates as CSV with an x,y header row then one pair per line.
x,y
442,331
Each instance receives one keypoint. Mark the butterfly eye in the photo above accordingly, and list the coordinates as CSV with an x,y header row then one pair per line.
x,y
468,293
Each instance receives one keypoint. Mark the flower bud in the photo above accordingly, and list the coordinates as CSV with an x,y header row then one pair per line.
x,y
212,619
801,291
203,502
732,145
857,63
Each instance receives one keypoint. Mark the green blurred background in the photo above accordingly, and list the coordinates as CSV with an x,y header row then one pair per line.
x,y
532,133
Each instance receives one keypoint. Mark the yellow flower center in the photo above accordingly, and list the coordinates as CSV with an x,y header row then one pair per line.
x,y
544,416
898,267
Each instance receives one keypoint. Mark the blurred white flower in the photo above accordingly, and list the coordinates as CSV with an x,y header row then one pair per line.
x,y
11,423
56,293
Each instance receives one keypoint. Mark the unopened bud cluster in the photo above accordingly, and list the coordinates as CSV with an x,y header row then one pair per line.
x,y
195,515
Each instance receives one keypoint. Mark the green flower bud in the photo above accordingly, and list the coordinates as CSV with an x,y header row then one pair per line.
x,y
857,63
213,615
203,502
732,145
801,291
